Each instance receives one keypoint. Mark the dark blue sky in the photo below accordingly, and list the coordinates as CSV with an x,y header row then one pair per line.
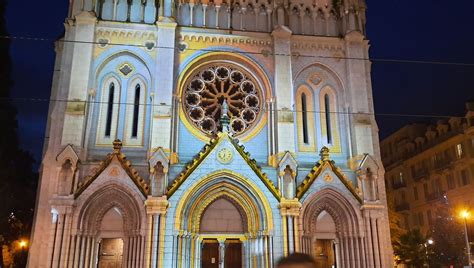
x,y
422,29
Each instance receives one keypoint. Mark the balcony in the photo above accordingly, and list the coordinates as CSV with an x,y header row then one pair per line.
x,y
420,173
399,184
443,164
437,196
402,207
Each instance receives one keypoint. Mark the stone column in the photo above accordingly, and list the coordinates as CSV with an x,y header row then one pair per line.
x,y
77,251
60,232
338,254
290,210
221,252
156,208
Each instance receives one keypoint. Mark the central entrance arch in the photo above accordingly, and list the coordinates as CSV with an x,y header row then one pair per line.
x,y
224,221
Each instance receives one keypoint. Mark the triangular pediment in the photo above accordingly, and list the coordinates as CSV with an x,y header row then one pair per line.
x,y
231,153
68,153
118,158
326,169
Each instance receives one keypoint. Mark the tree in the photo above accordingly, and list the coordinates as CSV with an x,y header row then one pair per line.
x,y
448,234
17,181
411,248
395,221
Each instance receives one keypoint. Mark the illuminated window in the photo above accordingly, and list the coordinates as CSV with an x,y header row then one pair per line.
x,y
136,111
459,151
110,110
304,115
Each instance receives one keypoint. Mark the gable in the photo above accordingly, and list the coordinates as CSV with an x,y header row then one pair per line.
x,y
120,160
208,160
326,172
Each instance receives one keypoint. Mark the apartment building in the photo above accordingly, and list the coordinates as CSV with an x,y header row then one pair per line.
x,y
428,164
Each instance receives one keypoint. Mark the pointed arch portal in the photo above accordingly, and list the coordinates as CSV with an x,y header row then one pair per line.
x,y
330,229
223,221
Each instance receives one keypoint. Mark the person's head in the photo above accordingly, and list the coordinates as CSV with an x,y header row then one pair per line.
x,y
297,260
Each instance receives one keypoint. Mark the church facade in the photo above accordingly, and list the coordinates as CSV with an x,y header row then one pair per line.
x,y
211,134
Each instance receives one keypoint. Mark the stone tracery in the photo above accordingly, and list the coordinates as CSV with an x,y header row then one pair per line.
x,y
207,90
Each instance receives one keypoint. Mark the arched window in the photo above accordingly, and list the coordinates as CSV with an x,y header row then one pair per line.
x,y
329,119
110,110
304,119
134,124
136,111
327,110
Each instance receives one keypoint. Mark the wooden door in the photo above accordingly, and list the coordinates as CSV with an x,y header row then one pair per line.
x,y
110,253
233,253
210,253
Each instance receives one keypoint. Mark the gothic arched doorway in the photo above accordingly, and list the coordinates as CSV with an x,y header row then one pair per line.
x,y
109,230
330,229
224,223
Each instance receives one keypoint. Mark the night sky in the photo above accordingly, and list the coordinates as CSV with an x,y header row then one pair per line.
x,y
431,30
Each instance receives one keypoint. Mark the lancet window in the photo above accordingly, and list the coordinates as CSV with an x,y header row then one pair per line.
x,y
305,119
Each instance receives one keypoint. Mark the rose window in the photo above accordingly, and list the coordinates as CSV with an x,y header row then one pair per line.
x,y
206,91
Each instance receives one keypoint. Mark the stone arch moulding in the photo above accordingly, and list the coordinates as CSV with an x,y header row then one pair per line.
x,y
91,209
102,61
346,214
222,184
327,75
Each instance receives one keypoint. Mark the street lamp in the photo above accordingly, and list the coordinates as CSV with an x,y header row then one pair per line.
x,y
428,243
23,244
465,215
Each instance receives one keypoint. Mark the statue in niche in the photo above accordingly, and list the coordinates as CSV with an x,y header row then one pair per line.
x,y
288,183
370,186
158,180
280,14
65,178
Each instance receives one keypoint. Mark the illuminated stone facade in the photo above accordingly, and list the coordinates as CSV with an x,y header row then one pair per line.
x,y
211,134
428,166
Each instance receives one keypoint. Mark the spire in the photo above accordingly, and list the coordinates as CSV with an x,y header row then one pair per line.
x,y
224,117
324,154
117,146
